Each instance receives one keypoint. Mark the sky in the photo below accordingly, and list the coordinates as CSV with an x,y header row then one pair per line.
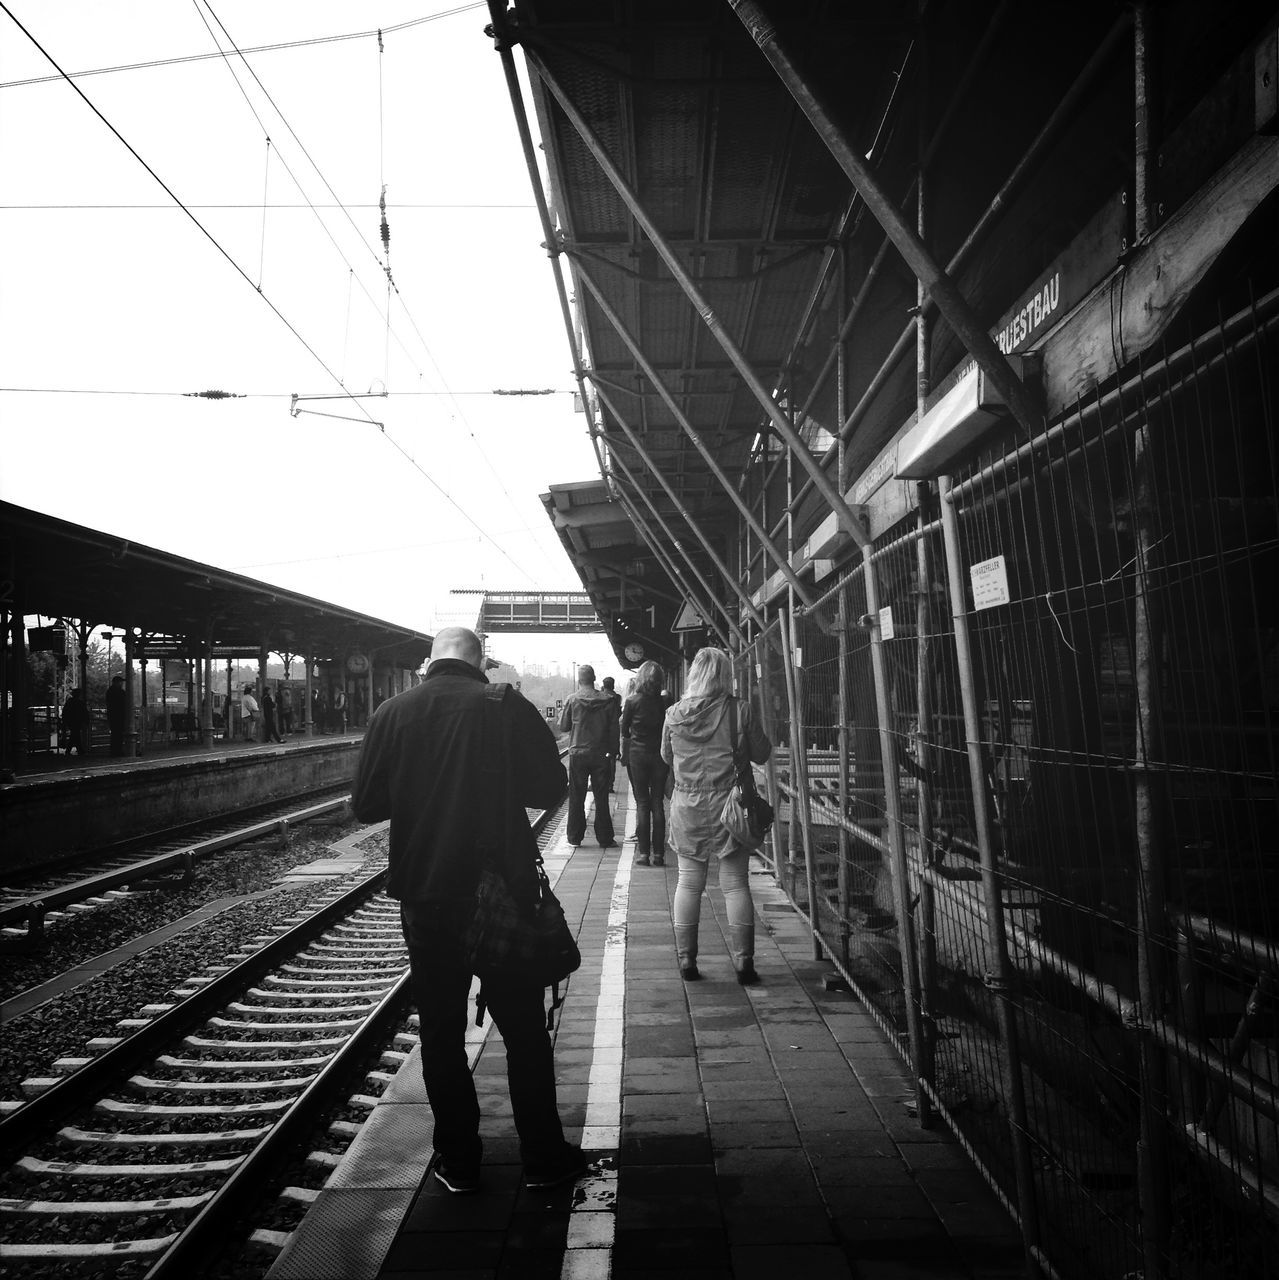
x,y
115,303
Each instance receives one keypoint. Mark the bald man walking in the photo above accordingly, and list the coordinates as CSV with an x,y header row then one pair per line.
x,y
421,765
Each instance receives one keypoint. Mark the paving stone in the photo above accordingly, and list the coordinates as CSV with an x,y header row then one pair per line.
x,y
666,1196
781,1261
699,1252
751,1222
726,1137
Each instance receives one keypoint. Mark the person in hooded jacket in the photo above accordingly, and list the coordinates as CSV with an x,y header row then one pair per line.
x,y
642,716
697,744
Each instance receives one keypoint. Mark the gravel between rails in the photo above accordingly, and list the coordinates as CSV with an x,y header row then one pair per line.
x,y
64,1024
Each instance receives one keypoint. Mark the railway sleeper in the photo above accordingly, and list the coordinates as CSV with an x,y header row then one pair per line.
x,y
346,983
115,1250
105,1208
147,1084
116,1106
78,1169
367,972
260,1046
236,1024
240,1064
259,993
319,1012
100,1138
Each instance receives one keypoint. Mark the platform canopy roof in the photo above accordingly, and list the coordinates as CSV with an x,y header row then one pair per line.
x,y
61,569
747,196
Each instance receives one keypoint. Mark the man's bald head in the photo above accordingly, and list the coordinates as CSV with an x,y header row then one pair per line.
x,y
458,642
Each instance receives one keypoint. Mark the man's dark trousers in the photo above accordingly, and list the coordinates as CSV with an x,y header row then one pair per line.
x,y
588,768
441,982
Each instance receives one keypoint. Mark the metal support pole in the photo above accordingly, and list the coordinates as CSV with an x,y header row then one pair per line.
x,y
142,719
635,443
799,798
1152,924
18,691
798,448
898,870
926,935
691,432
261,683
674,542
952,304
999,969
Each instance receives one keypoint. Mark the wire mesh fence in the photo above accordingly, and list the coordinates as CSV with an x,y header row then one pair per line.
x,y
1027,759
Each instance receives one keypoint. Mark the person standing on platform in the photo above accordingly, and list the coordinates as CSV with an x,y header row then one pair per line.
x,y
422,765
75,721
249,710
284,707
270,727
642,717
318,711
117,708
590,718
607,685
697,742
339,710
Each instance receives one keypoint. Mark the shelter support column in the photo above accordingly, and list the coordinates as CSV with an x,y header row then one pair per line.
x,y
18,693
204,664
308,724
261,685
130,701
142,713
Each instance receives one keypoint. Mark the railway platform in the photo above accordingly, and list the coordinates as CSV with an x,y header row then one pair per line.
x,y
68,804
736,1132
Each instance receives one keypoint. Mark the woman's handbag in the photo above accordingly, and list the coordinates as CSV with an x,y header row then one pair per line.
x,y
520,932
746,814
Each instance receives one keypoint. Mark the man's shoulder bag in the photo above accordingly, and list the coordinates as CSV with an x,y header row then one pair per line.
x,y
517,928
746,814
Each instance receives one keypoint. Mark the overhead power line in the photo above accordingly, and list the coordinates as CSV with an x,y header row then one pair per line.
x,y
261,48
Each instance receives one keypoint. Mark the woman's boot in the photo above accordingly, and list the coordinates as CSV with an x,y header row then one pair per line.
x,y
686,950
741,940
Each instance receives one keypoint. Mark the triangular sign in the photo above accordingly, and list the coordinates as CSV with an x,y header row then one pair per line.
x,y
689,618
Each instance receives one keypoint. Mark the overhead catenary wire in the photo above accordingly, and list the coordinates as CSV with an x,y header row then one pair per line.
x,y
208,235
4,7
261,48
287,167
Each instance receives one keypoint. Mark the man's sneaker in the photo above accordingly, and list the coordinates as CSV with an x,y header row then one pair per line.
x,y
568,1166
461,1180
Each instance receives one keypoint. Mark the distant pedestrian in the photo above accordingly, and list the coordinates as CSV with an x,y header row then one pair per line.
x,y
590,718
319,711
270,729
339,710
117,707
608,686
642,718
249,710
75,720
284,709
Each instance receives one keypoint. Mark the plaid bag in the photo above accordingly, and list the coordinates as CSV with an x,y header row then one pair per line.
x,y
526,936
746,814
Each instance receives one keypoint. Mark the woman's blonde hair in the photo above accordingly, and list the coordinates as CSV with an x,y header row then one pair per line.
x,y
648,679
711,675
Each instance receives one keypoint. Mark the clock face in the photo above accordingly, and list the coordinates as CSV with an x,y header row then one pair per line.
x,y
633,652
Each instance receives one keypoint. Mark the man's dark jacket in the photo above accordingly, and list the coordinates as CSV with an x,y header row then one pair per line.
x,y
422,766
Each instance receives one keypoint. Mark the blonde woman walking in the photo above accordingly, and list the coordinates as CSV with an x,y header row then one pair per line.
x,y
697,744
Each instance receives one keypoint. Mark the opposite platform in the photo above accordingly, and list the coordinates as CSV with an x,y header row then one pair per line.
x,y
738,1131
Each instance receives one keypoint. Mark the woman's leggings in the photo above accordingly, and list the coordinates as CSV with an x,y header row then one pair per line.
x,y
734,880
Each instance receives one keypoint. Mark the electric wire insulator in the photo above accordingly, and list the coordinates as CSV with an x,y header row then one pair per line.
x,y
215,395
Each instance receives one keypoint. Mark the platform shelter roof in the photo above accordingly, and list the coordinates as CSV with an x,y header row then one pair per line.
x,y
62,569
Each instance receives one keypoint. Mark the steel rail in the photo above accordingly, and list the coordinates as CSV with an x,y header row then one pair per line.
x,y
33,909
19,1127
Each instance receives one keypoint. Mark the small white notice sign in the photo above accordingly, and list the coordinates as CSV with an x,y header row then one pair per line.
x,y
886,623
990,583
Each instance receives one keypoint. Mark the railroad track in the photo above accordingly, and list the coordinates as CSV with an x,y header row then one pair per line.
x,y
143,1155
98,882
